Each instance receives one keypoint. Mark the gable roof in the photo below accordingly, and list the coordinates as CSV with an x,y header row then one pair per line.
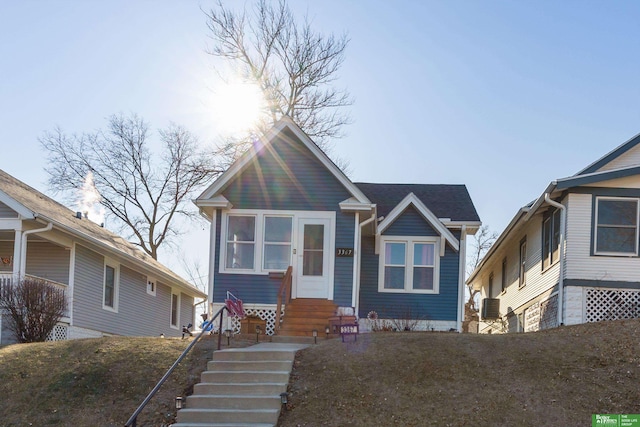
x,y
45,208
412,200
445,201
244,160
607,158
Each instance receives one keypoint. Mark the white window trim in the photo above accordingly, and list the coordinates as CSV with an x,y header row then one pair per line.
x,y
116,284
595,227
152,280
258,261
410,241
179,301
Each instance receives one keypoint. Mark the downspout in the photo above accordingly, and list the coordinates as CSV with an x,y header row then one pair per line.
x,y
356,239
23,254
563,226
359,260
462,264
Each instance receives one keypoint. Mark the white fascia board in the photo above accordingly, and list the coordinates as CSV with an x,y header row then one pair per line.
x,y
218,202
433,220
471,226
266,139
539,201
513,224
353,205
23,211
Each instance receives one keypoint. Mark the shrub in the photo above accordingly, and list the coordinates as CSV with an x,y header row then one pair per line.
x,y
34,307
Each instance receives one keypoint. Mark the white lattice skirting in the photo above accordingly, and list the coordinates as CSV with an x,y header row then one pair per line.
x,y
264,312
59,333
611,304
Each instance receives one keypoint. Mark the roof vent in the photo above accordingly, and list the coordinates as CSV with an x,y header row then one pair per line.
x,y
79,215
490,309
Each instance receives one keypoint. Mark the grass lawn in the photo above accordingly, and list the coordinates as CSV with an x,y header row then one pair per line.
x,y
552,378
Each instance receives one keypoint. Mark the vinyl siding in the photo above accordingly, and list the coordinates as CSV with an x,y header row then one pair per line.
x,y
580,263
7,212
536,280
6,250
410,223
48,261
442,306
286,176
139,314
630,158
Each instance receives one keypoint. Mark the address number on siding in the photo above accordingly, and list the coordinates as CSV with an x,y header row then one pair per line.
x,y
344,252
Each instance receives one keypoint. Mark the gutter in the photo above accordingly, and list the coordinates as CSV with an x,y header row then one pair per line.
x,y
563,227
356,290
23,247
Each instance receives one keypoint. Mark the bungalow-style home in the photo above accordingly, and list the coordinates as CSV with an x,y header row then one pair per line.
x,y
112,288
571,256
354,248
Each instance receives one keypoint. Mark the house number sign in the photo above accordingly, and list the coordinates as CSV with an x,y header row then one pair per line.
x,y
344,252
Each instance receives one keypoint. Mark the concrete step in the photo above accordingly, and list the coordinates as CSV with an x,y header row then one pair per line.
x,y
239,355
234,401
243,377
249,365
197,415
266,389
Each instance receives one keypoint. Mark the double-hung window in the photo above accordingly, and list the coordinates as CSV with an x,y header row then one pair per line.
x,y
616,226
409,264
241,242
257,243
110,286
551,239
522,268
175,308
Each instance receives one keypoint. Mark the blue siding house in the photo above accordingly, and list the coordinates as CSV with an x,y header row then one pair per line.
x,y
388,248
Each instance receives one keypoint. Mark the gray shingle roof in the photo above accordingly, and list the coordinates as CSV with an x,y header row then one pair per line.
x,y
445,201
48,209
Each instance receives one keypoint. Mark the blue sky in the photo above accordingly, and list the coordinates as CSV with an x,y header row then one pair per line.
x,y
503,96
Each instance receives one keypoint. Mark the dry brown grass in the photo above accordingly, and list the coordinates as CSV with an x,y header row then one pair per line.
x,y
96,382
557,377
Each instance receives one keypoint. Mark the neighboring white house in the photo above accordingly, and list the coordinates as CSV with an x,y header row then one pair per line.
x,y
572,255
112,288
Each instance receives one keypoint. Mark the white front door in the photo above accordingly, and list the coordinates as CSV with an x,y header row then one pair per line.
x,y
313,252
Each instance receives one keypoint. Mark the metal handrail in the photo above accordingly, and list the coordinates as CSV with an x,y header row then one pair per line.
x,y
132,422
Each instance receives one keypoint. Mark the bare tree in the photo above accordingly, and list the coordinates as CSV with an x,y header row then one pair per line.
x,y
142,191
482,242
34,307
294,66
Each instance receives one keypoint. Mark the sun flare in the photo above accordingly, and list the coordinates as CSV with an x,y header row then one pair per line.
x,y
237,106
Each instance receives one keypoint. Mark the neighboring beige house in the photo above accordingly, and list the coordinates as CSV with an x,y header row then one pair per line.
x,y
112,288
572,255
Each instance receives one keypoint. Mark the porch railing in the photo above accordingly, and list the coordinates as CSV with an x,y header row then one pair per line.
x,y
6,279
284,296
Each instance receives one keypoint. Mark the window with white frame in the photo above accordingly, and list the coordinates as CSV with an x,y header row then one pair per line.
x,y
616,226
522,269
491,289
151,286
175,308
241,242
551,239
277,242
409,264
256,243
110,286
